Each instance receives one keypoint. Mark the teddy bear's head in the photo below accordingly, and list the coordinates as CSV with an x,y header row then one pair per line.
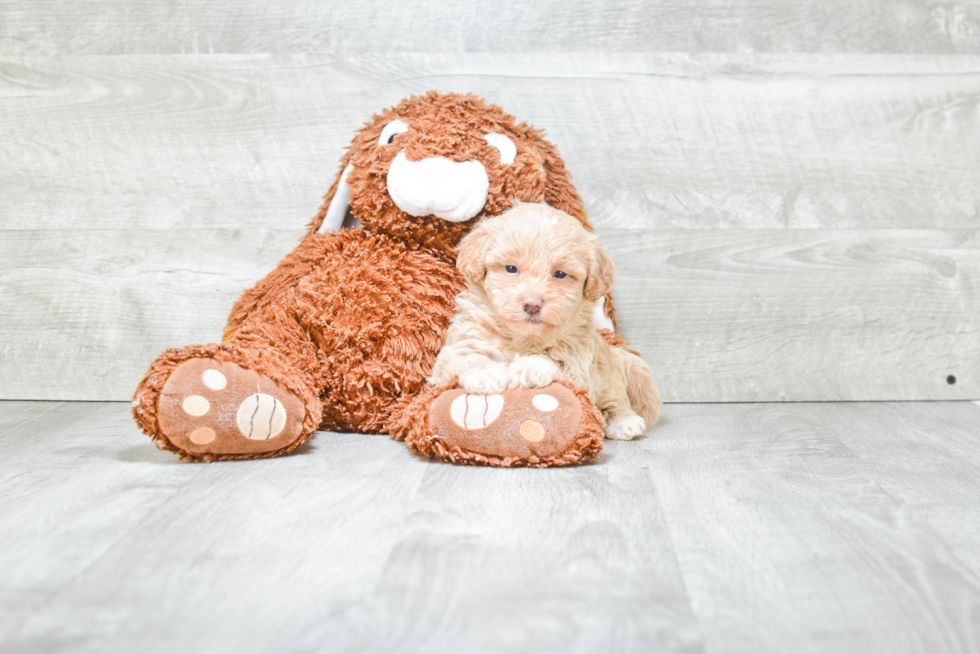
x,y
426,170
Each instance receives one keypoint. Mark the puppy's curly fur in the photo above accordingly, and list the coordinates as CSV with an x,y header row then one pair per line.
x,y
533,278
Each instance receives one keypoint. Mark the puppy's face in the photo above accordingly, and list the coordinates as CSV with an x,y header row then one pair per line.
x,y
539,268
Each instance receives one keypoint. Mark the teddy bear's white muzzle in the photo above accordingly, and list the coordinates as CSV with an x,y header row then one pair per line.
x,y
452,190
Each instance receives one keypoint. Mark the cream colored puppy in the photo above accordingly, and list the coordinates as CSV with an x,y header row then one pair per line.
x,y
533,278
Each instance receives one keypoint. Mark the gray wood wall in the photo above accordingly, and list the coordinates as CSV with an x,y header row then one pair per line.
x,y
791,191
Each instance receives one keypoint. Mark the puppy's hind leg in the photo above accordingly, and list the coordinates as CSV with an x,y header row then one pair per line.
x,y
626,393
641,387
622,422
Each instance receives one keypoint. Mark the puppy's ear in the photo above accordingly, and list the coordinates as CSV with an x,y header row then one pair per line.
x,y
471,253
601,272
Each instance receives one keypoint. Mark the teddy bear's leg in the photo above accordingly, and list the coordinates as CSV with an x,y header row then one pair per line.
x,y
251,397
553,426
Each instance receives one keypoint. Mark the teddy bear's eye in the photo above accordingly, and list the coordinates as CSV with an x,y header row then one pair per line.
x,y
511,269
391,130
559,274
506,147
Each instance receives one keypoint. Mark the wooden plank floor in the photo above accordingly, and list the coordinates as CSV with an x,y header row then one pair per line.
x,y
732,528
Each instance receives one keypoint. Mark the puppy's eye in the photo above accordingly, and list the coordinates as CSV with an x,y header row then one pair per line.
x,y
558,274
506,147
511,269
391,130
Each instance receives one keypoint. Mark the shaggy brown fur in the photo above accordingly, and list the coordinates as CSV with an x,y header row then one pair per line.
x,y
350,322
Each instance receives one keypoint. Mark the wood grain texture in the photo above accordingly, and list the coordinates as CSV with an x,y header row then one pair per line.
x,y
69,490
244,545
846,528
701,141
142,194
732,315
576,560
802,315
196,26
931,464
813,527
85,313
353,545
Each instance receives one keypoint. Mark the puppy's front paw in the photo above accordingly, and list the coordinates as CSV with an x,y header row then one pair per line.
x,y
487,380
625,428
531,372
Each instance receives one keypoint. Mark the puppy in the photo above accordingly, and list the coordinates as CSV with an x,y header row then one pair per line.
x,y
533,278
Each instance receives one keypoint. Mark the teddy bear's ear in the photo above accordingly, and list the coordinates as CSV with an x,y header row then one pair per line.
x,y
602,271
330,207
559,192
471,253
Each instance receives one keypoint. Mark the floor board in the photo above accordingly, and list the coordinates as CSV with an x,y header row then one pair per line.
x,y
805,527
731,528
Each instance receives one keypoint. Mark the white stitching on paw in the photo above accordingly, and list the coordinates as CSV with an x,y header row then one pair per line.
x,y
261,417
475,411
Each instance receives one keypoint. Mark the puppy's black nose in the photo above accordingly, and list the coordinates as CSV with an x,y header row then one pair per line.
x,y
532,305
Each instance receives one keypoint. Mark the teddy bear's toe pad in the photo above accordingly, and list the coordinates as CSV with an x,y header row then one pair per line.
x,y
218,407
521,423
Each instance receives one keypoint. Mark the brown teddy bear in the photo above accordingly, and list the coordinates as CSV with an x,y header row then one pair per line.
x,y
343,333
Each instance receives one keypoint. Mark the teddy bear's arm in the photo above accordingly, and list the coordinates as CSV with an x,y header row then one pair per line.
x,y
295,266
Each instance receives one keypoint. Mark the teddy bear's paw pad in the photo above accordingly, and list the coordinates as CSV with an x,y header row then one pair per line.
x,y
471,411
261,417
218,407
521,423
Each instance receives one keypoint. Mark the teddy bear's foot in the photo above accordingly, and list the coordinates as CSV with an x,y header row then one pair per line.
x,y
552,426
210,409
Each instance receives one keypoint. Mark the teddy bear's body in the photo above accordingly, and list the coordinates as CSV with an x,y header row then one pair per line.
x,y
343,333
367,334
